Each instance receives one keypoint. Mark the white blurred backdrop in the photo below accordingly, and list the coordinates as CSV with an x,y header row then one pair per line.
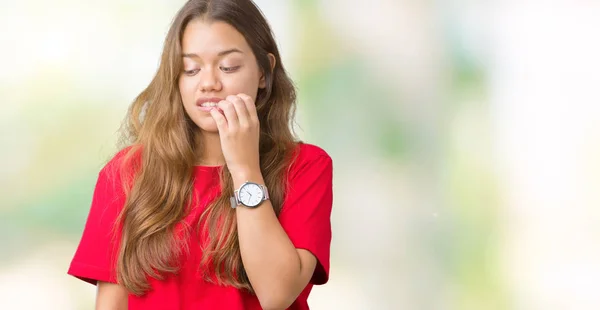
x,y
465,137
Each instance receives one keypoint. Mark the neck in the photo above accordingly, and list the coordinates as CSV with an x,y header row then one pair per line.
x,y
209,149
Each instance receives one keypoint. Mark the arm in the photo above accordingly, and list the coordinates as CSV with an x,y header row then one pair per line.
x,y
93,261
111,296
277,270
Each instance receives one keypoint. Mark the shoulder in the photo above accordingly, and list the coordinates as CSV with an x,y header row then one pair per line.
x,y
309,157
310,151
123,163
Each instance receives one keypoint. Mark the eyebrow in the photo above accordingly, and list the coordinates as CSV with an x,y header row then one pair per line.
x,y
220,54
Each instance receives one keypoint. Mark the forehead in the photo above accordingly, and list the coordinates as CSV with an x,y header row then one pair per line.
x,y
209,38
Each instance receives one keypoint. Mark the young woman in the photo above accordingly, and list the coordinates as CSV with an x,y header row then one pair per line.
x,y
213,204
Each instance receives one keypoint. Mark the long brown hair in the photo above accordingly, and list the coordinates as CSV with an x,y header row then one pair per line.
x,y
164,148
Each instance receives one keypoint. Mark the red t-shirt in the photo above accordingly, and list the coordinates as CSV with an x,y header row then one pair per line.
x,y
305,217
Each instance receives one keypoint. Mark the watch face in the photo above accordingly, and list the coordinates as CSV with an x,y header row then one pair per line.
x,y
250,194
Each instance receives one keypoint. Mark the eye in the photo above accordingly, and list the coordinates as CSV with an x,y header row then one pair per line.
x,y
191,72
229,69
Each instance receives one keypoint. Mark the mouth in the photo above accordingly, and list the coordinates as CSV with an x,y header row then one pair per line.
x,y
206,104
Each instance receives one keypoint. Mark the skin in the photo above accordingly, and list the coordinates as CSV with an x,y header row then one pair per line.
x,y
111,296
230,133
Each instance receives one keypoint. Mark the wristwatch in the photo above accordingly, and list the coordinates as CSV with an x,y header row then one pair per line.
x,y
250,195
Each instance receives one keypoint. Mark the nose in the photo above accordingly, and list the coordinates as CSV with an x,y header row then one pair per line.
x,y
209,81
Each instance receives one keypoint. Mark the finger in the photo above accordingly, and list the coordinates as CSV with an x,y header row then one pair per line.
x,y
219,120
250,106
230,114
241,110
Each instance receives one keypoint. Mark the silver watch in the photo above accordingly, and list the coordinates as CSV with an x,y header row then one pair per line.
x,y
250,195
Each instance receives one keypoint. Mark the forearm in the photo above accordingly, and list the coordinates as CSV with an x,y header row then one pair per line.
x,y
269,257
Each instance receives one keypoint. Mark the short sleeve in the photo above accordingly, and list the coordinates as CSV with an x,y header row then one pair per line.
x,y
306,211
96,255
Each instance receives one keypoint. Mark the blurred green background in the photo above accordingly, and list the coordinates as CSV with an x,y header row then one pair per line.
x,y
465,137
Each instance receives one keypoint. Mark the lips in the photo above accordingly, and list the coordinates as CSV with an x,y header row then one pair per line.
x,y
206,104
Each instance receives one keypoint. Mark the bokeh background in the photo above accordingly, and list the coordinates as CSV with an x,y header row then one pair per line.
x,y
465,137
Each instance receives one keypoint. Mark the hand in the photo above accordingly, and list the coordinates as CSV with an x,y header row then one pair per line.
x,y
239,132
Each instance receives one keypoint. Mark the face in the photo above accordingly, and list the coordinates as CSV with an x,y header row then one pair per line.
x,y
217,62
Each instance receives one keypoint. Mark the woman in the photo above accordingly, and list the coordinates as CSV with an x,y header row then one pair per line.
x,y
213,204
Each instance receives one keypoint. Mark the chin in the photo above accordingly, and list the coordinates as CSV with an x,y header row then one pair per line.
x,y
206,124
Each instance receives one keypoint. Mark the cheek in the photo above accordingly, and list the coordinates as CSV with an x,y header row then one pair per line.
x,y
246,83
187,87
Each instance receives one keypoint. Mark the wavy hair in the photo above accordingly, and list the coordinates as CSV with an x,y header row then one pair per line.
x,y
163,146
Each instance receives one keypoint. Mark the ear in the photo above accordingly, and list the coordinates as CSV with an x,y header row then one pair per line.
x,y
262,83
